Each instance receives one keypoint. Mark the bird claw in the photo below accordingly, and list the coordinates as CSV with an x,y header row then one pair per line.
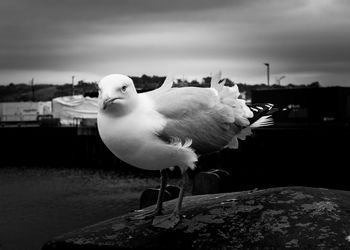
x,y
166,221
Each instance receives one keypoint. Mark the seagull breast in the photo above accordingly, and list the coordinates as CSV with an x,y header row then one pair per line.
x,y
133,138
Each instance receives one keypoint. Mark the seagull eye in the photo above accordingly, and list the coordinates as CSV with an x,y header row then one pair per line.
x,y
123,89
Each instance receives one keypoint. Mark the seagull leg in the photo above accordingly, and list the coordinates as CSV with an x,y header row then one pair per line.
x,y
170,221
159,205
163,183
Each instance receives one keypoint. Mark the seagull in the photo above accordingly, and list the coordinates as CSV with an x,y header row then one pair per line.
x,y
171,127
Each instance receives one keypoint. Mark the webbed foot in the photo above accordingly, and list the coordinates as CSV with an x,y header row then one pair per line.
x,y
145,214
166,221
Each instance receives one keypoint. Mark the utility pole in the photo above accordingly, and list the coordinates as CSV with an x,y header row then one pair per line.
x,y
268,73
32,85
73,85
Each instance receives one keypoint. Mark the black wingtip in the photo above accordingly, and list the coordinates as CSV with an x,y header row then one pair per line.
x,y
259,110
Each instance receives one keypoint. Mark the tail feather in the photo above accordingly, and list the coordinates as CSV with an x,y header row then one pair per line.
x,y
244,133
260,110
233,144
262,122
261,118
244,117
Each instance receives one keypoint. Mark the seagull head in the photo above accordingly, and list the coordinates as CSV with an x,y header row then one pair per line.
x,y
117,94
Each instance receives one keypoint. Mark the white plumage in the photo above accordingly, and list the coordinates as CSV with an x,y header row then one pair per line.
x,y
133,138
169,126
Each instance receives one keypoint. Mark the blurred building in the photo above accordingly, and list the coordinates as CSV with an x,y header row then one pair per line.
x,y
309,105
23,111
74,110
67,111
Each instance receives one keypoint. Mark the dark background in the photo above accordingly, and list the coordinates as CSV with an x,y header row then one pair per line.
x,y
308,145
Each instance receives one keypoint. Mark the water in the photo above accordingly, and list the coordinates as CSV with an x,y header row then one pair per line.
x,y
39,204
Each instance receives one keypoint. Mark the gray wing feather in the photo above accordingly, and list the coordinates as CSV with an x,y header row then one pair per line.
x,y
196,114
167,84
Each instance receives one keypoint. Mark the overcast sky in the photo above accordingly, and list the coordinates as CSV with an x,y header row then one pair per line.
x,y
51,40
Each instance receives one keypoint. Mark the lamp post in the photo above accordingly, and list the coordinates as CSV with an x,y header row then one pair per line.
x,y
278,80
268,73
73,85
32,85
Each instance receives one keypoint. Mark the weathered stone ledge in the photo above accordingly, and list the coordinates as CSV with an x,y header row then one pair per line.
x,y
276,218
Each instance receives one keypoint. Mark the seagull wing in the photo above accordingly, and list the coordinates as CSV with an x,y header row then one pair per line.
x,y
214,83
167,84
195,114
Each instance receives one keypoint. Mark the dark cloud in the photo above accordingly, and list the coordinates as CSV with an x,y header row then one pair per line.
x,y
39,30
298,38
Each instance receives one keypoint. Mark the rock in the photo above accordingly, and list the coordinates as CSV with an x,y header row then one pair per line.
x,y
150,195
276,218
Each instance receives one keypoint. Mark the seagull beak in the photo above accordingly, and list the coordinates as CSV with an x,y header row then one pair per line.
x,y
109,101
